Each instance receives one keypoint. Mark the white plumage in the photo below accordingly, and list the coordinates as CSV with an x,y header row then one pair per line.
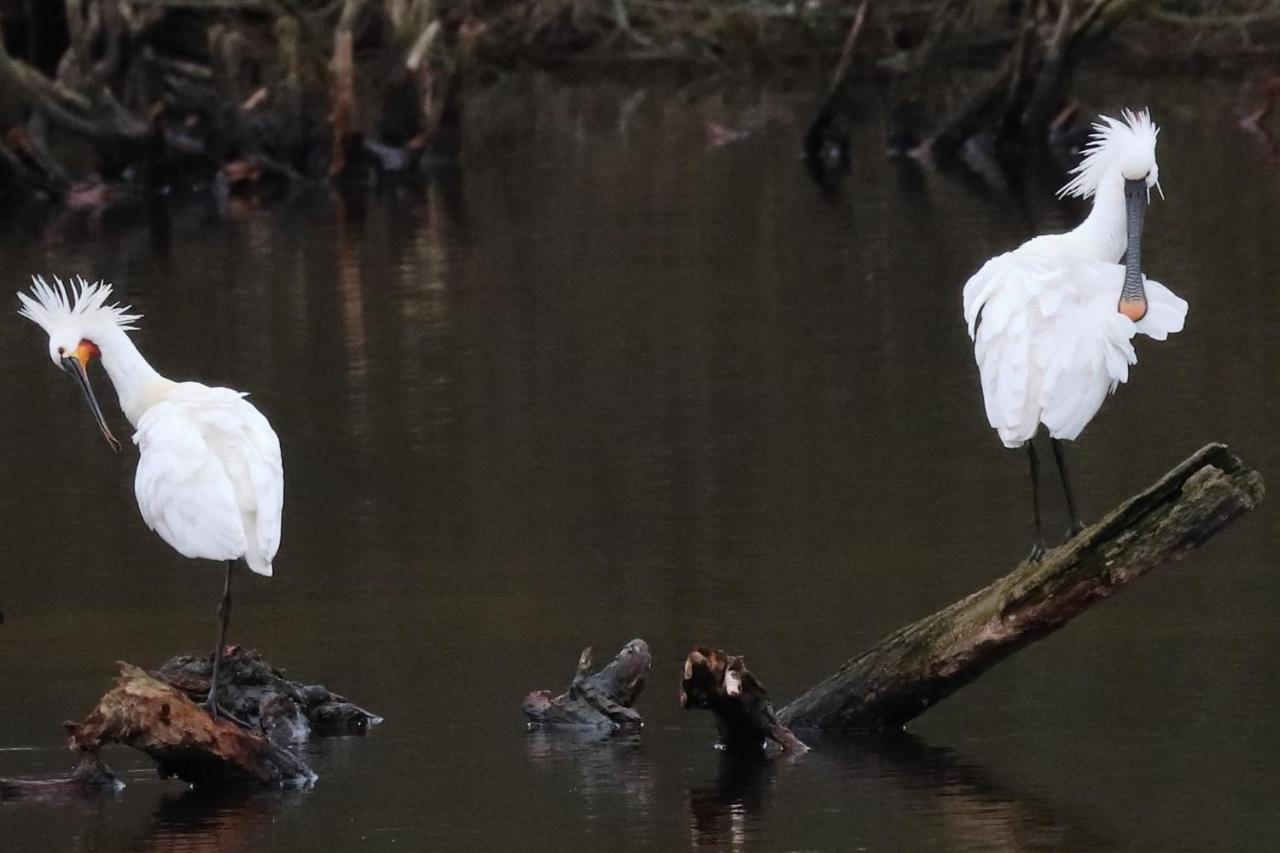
x,y
210,480
1048,338
1051,345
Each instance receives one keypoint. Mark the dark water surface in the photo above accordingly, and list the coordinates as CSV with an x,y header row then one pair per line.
x,y
608,382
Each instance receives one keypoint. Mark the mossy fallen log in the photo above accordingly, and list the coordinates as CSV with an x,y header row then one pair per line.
x,y
919,665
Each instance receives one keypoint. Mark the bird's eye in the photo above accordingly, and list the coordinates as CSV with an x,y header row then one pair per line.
x,y
62,350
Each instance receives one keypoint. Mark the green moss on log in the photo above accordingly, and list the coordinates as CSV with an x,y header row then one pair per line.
x,y
921,664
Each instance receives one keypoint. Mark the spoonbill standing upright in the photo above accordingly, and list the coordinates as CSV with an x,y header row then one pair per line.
x,y
210,479
1053,320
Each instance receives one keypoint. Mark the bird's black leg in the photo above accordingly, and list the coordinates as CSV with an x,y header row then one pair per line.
x,y
224,616
1076,524
1037,549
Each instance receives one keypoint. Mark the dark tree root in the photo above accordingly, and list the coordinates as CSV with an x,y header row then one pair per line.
x,y
601,701
253,691
722,684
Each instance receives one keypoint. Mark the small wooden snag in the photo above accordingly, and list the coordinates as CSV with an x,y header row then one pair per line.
x,y
921,664
601,701
722,684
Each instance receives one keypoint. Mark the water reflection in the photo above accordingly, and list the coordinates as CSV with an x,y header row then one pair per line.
x,y
201,821
974,809
607,769
879,780
724,815
615,382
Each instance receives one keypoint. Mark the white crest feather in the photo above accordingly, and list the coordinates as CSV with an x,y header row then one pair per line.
x,y
57,306
1111,140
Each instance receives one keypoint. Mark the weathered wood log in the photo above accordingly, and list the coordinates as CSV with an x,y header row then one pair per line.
x,y
157,718
90,777
259,695
921,664
722,684
602,700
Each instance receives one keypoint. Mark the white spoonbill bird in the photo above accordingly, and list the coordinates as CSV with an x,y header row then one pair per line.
x,y
210,480
1053,320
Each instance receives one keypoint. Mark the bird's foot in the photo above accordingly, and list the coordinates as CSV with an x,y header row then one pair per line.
x,y
211,705
1076,528
1037,552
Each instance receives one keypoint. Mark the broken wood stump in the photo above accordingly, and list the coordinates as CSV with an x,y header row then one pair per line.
x,y
601,701
921,664
258,694
722,684
162,714
157,718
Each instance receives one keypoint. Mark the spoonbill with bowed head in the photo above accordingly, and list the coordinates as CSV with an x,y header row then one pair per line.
x,y
1053,320
210,479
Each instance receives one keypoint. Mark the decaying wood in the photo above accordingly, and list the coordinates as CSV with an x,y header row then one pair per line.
x,y
919,665
602,700
259,695
155,717
722,684
162,714
91,776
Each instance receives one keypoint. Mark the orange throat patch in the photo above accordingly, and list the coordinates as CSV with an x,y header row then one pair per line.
x,y
87,352
1134,309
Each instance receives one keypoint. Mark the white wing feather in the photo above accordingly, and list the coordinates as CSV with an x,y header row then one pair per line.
x,y
1049,342
210,480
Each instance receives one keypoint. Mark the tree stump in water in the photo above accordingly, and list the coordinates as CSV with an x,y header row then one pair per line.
x,y
722,684
162,714
601,701
921,664
155,717
253,691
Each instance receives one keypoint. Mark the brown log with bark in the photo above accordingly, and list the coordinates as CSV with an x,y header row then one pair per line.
x,y
161,713
157,718
721,683
602,700
919,665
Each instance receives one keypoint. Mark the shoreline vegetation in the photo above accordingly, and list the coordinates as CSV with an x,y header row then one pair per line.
x,y
97,96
